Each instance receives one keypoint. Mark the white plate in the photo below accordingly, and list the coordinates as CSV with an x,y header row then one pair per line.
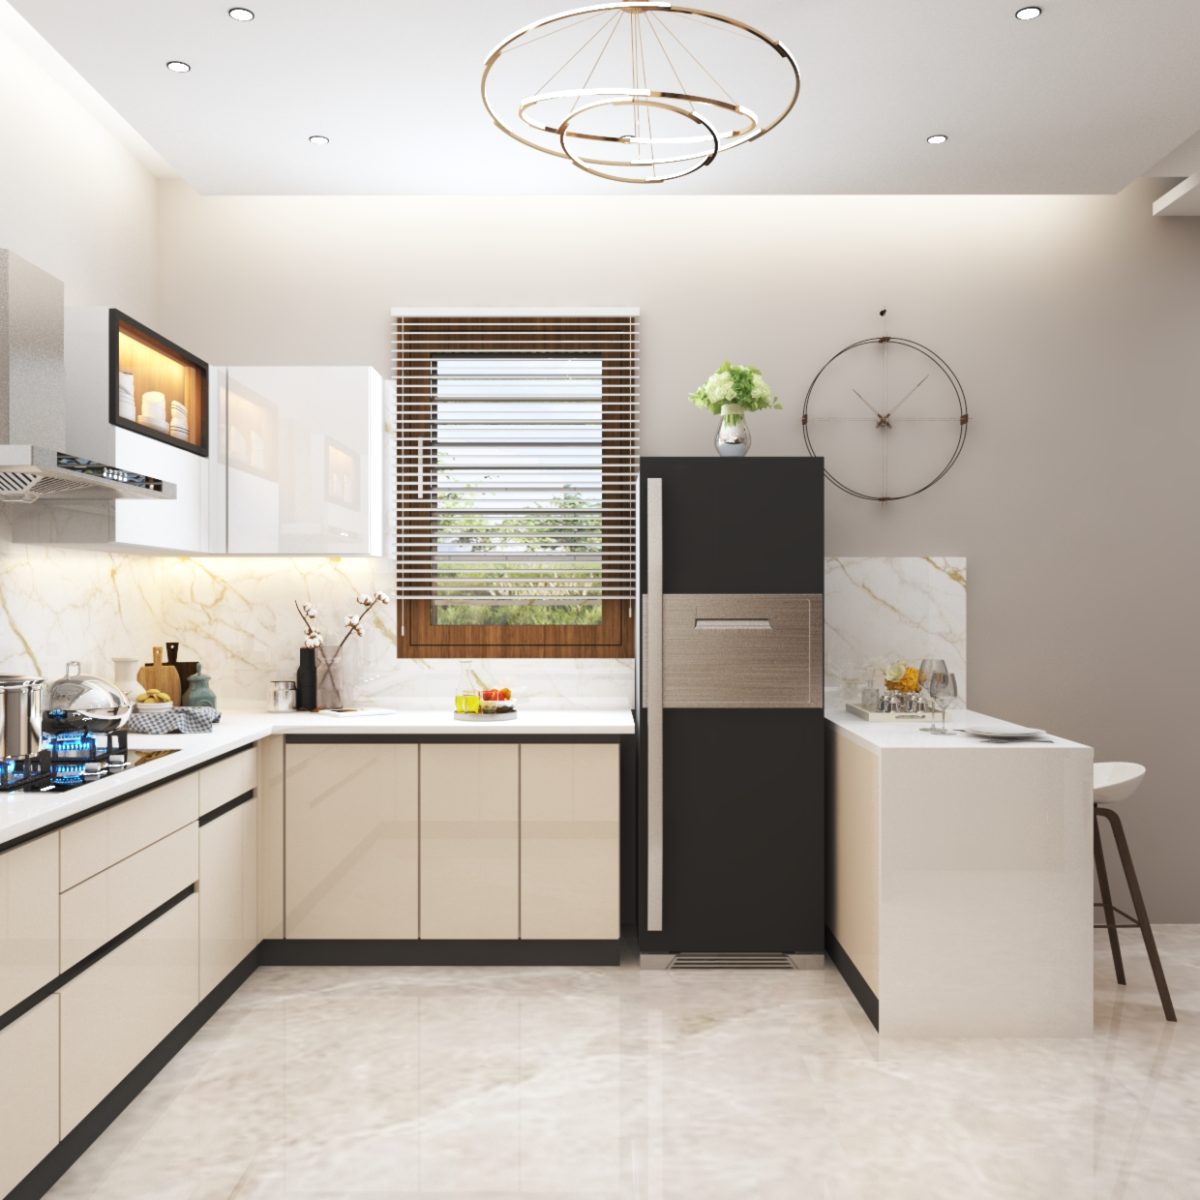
x,y
1007,733
508,716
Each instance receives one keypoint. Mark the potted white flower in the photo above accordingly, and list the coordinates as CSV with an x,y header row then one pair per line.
x,y
731,392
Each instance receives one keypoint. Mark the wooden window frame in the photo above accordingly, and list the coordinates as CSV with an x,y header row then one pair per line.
x,y
418,635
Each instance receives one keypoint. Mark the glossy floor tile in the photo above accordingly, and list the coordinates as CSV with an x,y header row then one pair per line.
x,y
600,1083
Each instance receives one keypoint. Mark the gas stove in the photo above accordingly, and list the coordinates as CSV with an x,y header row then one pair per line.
x,y
70,760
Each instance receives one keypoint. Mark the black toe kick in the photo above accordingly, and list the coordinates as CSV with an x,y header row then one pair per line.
x,y
337,952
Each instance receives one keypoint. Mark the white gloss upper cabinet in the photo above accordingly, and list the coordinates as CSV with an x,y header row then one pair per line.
x,y
303,454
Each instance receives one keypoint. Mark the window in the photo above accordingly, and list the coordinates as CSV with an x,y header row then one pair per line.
x,y
516,481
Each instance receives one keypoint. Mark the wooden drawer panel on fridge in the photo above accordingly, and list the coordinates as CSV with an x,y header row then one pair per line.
x,y
28,1092
97,842
228,892
28,919
470,885
95,911
351,839
117,1011
228,779
570,841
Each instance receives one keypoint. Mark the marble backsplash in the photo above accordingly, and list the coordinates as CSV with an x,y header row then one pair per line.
x,y
878,610
236,616
238,613
57,605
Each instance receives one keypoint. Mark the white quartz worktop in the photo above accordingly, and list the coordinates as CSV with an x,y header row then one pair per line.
x,y
22,813
909,735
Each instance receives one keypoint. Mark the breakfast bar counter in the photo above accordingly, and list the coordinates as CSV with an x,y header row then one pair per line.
x,y
960,878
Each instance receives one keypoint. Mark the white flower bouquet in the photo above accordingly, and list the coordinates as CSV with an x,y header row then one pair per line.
x,y
734,385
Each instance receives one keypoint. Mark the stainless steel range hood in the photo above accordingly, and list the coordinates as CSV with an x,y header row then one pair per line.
x,y
29,473
34,464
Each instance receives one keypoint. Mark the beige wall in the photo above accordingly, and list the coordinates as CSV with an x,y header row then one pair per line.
x,y
1071,321
73,198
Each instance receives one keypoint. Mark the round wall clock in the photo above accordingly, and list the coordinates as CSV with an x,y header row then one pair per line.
x,y
888,416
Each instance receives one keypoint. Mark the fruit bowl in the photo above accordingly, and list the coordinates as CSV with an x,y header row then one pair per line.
x,y
491,708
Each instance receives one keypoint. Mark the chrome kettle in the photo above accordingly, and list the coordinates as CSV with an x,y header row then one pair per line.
x,y
84,702
20,716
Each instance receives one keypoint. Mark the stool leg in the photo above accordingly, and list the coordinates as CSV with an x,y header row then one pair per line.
x,y
1139,907
1110,918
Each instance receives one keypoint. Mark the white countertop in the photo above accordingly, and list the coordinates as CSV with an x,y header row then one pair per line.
x,y
22,813
908,735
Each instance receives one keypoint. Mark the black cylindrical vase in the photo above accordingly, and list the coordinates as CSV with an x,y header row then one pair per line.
x,y
306,681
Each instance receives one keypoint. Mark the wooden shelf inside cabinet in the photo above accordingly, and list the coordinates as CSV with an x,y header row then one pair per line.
x,y
142,362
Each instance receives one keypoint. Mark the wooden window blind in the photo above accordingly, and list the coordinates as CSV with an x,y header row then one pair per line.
x,y
517,455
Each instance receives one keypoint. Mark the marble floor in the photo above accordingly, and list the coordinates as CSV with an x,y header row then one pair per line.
x,y
599,1083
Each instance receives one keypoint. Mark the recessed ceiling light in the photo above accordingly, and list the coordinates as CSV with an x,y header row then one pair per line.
x,y
937,139
318,139
180,68
1030,12
241,14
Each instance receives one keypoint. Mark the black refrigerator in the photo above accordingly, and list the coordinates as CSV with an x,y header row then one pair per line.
x,y
731,803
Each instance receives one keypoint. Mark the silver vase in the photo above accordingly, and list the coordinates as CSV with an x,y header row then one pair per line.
x,y
733,434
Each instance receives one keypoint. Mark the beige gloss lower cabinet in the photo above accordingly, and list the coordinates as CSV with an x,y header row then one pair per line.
x,y
118,1010
28,1092
228,892
350,833
28,919
570,841
469,841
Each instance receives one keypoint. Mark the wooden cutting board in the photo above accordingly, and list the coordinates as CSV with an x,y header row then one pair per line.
x,y
160,676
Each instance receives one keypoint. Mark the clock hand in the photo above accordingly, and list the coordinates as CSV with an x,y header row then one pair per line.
x,y
907,394
866,402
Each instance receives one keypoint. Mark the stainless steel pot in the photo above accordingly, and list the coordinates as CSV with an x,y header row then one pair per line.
x,y
20,716
84,702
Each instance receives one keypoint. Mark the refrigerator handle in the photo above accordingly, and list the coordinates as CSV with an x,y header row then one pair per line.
x,y
654,705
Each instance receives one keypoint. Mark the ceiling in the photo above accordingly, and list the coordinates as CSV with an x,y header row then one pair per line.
x,y
1090,96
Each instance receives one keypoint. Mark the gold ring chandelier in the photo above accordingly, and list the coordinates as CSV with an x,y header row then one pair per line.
x,y
605,123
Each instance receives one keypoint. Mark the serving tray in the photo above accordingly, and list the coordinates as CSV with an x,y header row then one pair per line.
x,y
869,714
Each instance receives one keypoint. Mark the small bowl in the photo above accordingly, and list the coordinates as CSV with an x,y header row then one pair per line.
x,y
153,705
492,707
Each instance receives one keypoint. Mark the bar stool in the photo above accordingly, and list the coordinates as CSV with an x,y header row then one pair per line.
x,y
1113,782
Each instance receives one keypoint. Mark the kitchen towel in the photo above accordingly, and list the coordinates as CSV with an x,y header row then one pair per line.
x,y
175,720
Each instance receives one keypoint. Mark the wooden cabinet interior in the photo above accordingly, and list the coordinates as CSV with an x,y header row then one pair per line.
x,y
157,365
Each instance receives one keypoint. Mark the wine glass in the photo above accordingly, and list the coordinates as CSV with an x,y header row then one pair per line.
x,y
932,674
929,668
943,689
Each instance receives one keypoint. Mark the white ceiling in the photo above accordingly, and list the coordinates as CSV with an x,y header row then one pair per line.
x,y
1085,99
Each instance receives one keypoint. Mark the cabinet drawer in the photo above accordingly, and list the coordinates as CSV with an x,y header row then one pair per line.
x,y
95,911
97,842
28,919
742,651
28,1092
570,841
228,892
227,780
117,1011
